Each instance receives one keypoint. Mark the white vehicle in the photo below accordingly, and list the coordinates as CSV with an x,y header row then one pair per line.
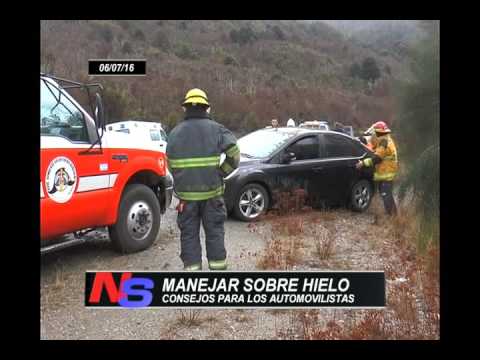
x,y
316,125
142,130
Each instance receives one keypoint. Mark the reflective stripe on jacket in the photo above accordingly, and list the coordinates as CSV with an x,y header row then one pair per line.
x,y
386,166
193,151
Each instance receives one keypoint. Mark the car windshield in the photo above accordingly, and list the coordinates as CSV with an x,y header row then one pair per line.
x,y
262,143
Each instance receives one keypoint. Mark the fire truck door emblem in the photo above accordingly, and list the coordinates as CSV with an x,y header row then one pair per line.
x,y
61,179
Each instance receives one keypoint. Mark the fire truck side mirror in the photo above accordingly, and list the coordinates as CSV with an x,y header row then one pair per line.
x,y
99,112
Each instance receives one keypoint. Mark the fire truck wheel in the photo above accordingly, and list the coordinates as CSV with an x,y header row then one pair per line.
x,y
138,221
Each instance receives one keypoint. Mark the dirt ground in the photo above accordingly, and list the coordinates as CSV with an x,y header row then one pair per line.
x,y
63,315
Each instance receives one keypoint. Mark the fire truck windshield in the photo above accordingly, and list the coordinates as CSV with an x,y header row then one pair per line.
x,y
59,116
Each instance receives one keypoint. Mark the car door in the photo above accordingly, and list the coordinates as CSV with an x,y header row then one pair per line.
x,y
299,172
337,167
74,178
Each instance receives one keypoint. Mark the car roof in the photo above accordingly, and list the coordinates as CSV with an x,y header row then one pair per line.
x,y
301,131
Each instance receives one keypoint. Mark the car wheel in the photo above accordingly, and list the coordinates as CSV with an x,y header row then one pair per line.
x,y
251,202
138,221
361,196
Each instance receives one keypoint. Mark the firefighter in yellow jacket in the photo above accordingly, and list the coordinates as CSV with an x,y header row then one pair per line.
x,y
385,161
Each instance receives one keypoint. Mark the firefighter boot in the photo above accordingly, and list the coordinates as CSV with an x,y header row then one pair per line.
x,y
386,191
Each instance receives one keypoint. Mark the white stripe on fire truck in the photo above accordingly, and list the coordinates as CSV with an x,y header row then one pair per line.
x,y
113,178
97,182
90,183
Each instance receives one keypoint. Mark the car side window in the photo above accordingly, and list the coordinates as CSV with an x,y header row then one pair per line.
x,y
59,116
359,149
306,148
340,146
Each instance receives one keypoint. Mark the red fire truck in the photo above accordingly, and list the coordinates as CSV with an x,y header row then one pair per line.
x,y
92,178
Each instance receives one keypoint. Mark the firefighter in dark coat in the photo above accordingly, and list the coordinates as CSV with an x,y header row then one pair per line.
x,y
194,149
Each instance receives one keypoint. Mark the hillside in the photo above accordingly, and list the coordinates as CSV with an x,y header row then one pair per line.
x,y
251,70
386,37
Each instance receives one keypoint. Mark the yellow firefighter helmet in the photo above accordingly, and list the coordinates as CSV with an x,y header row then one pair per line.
x,y
196,96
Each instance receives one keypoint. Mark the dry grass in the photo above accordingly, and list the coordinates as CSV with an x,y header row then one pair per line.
x,y
289,236
59,283
211,318
290,228
217,334
56,297
242,318
290,202
404,228
186,318
282,252
325,216
323,240
413,290
189,317
276,311
412,310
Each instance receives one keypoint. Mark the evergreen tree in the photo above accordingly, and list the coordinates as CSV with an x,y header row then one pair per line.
x,y
418,127
370,70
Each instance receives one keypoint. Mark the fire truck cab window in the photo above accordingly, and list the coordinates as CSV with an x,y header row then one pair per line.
x,y
60,118
155,135
163,134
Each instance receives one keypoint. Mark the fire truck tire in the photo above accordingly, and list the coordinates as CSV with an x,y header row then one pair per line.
x,y
138,221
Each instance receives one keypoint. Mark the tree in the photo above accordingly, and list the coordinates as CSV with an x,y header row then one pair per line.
x,y
243,36
127,48
355,70
48,62
370,70
124,24
105,32
418,125
186,52
117,102
230,60
388,70
161,41
139,35
279,35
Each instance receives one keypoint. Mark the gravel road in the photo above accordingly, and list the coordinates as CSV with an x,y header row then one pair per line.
x,y
63,315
